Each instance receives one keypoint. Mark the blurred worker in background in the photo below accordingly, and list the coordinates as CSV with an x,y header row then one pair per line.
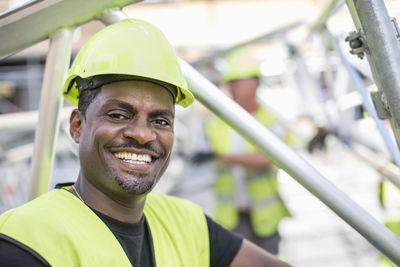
x,y
125,82
245,185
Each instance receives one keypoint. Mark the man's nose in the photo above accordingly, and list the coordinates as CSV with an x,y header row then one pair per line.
x,y
140,130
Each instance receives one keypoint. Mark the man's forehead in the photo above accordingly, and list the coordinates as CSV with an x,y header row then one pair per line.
x,y
138,92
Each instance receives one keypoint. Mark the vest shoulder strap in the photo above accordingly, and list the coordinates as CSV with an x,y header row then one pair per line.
x,y
179,225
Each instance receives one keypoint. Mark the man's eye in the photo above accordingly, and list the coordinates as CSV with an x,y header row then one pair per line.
x,y
161,122
117,116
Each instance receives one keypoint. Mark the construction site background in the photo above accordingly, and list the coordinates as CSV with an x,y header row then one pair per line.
x,y
304,82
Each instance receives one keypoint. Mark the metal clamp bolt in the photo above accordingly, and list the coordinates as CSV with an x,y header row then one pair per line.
x,y
357,44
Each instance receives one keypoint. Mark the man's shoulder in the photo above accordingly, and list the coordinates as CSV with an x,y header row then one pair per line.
x,y
26,207
25,220
35,211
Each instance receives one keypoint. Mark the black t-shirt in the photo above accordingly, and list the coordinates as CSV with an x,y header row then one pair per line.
x,y
136,241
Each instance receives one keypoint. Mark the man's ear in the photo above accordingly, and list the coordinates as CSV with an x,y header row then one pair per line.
x,y
75,123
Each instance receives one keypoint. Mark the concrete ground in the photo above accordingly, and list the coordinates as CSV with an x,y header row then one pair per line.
x,y
316,236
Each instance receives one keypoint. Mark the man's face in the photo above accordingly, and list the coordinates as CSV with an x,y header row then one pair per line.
x,y
243,91
126,139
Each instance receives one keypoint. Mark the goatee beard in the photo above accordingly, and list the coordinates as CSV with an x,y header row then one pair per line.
x,y
135,183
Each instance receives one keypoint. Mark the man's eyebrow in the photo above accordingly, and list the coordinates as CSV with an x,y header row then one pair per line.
x,y
118,103
127,106
163,112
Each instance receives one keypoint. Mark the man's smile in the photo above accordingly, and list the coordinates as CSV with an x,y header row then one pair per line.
x,y
133,157
135,161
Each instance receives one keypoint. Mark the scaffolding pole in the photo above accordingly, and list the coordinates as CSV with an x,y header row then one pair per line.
x,y
51,101
26,119
357,82
264,37
38,20
382,49
380,164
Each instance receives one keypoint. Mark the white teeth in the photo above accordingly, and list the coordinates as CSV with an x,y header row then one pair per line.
x,y
135,161
133,157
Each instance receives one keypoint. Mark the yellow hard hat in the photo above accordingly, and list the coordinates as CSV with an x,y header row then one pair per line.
x,y
241,63
127,50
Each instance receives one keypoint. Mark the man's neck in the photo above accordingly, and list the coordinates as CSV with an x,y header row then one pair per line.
x,y
128,211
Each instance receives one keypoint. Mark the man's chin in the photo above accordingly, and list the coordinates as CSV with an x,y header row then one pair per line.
x,y
135,186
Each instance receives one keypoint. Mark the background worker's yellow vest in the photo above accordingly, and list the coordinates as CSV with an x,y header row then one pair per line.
x,y
390,200
266,206
66,232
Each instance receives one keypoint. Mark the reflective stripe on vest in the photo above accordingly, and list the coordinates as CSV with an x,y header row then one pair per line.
x,y
267,208
66,232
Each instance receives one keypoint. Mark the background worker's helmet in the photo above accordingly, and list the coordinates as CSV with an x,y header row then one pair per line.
x,y
241,63
129,48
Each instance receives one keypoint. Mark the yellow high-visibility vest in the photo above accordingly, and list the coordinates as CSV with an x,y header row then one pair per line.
x,y
66,232
266,205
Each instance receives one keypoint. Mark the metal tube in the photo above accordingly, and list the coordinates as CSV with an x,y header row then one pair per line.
x,y
380,164
383,55
26,119
284,157
320,22
51,101
359,85
353,13
38,20
267,36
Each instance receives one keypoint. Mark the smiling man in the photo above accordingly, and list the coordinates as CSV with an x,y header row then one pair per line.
x,y
127,135
125,81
